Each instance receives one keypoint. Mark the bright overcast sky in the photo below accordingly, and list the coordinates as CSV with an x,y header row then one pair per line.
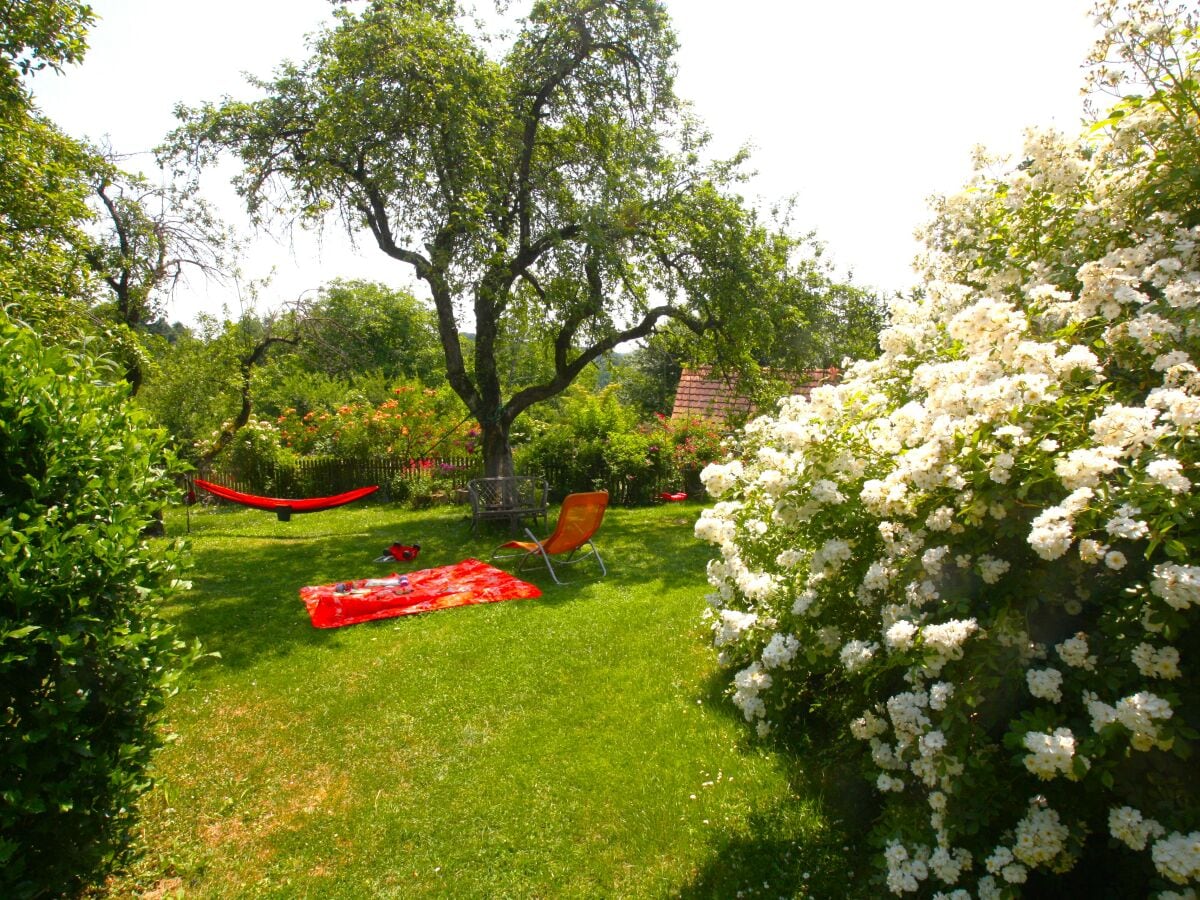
x,y
861,110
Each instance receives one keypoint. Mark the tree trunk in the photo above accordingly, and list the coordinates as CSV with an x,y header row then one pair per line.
x,y
497,453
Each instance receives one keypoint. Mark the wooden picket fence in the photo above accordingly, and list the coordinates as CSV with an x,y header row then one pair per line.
x,y
322,476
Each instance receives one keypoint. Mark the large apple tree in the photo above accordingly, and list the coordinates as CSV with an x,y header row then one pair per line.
x,y
552,172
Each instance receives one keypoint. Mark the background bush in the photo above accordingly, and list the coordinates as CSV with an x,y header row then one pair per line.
x,y
592,441
85,662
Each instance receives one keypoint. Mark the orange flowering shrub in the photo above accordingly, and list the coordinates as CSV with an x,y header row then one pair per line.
x,y
415,421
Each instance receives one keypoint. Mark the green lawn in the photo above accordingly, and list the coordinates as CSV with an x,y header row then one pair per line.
x,y
575,745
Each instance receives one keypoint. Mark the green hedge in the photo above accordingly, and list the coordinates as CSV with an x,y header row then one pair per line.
x,y
85,661
592,442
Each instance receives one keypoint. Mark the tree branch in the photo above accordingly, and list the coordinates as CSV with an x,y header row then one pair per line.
x,y
566,372
246,364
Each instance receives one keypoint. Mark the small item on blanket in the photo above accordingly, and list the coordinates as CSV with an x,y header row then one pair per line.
x,y
391,581
399,553
462,584
375,588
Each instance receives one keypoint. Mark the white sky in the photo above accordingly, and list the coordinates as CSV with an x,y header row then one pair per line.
x,y
862,110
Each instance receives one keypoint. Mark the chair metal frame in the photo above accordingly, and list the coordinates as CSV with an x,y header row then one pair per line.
x,y
539,548
511,497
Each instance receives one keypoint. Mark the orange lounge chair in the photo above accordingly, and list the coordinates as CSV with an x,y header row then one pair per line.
x,y
578,520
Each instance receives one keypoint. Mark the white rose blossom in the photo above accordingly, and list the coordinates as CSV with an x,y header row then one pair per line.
x,y
780,651
1169,474
1074,651
1045,684
1129,827
1160,662
1050,755
1019,445
856,654
1177,857
1178,585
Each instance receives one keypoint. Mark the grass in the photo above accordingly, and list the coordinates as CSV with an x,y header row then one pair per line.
x,y
575,745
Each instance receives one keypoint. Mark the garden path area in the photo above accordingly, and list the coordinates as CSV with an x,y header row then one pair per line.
x,y
575,745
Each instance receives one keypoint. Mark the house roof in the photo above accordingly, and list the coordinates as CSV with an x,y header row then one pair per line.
x,y
701,396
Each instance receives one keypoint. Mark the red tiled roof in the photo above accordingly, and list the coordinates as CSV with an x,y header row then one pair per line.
x,y
699,396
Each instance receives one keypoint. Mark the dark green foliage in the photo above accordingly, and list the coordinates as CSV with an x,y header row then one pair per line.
x,y
649,376
85,662
399,488
595,442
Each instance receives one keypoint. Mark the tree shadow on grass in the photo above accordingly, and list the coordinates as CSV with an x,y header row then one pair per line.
x,y
787,852
658,546
812,844
245,604
247,610
639,547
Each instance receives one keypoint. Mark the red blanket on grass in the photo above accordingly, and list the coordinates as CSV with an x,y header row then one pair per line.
x,y
461,584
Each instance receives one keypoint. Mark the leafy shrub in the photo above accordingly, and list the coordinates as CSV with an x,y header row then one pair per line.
x,y
567,444
572,462
627,456
191,388
85,661
592,441
414,422
690,443
255,456
975,564
399,488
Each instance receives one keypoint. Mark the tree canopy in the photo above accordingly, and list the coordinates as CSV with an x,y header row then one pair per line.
x,y
356,327
43,172
36,35
561,182
85,247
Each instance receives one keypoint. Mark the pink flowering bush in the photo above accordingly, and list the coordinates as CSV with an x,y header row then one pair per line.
x,y
975,562
687,443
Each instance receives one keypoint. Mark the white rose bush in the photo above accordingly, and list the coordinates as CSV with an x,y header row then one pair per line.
x,y
974,563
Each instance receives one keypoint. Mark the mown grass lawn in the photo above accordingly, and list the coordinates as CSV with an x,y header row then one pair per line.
x,y
575,745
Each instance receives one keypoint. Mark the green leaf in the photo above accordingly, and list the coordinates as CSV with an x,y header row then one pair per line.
x,y
18,633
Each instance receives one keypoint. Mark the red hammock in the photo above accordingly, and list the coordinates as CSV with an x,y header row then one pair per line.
x,y
283,507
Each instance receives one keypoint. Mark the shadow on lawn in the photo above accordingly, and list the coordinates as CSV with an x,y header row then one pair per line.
x,y
246,605
784,855
249,568
813,847
635,550
658,549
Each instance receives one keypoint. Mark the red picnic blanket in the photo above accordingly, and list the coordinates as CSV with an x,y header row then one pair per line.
x,y
462,584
